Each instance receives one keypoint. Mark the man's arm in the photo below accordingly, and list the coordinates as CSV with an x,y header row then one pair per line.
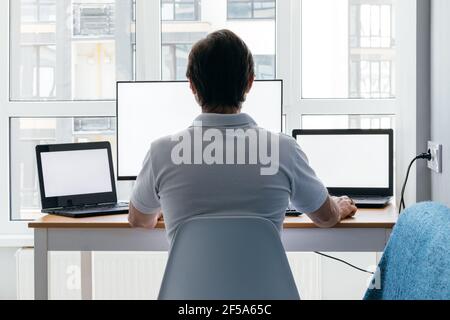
x,y
333,211
138,219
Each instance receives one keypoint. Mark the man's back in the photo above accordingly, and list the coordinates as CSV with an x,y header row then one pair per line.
x,y
226,165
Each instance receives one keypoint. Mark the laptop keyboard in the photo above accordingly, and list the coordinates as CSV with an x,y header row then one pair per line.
x,y
292,212
93,209
369,198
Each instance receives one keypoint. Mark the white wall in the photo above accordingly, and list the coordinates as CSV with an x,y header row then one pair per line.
x,y
440,93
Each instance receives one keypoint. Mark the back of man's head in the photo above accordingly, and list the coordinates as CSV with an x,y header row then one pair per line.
x,y
221,68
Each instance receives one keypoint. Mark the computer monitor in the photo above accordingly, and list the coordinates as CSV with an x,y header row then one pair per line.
x,y
351,162
147,111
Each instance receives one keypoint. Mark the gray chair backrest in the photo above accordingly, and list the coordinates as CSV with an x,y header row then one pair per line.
x,y
228,258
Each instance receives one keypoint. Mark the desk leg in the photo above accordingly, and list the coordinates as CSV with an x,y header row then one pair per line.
x,y
388,235
86,275
40,264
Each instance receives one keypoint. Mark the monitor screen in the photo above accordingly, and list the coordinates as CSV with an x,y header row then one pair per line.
x,y
349,161
87,171
147,111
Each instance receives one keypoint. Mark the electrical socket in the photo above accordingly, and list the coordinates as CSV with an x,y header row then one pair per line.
x,y
435,164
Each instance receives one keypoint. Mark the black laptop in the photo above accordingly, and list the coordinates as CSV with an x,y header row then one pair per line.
x,y
77,180
355,163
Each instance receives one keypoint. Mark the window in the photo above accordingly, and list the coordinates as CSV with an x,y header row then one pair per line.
x,y
38,11
175,60
92,20
372,79
348,49
178,35
264,67
338,60
251,9
347,63
26,134
63,51
80,60
180,10
40,62
324,122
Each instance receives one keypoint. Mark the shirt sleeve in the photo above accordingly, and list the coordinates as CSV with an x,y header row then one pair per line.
x,y
308,192
145,196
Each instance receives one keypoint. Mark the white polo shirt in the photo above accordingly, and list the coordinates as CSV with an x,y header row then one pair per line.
x,y
183,191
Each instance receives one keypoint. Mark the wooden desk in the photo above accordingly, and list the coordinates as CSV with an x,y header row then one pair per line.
x,y
369,231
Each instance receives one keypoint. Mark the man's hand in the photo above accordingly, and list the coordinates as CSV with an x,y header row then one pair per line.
x,y
346,206
333,211
138,219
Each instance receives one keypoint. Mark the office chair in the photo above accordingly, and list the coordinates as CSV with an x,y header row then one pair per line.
x,y
228,258
416,263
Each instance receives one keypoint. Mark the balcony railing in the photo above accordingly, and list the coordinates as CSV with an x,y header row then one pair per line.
x,y
93,20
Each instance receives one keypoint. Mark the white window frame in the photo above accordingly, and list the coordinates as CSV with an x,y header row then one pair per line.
x,y
148,58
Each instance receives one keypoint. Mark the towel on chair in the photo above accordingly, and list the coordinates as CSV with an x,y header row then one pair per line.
x,y
416,263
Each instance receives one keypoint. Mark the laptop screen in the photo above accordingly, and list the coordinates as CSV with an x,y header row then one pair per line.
x,y
349,161
79,172
75,174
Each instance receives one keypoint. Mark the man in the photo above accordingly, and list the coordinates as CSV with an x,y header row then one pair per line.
x,y
221,74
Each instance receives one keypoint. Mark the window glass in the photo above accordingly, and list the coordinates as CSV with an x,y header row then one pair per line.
x,y
348,49
251,9
254,21
38,11
26,134
74,49
180,10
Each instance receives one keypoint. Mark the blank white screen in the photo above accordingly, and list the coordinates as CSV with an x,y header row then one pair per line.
x,y
149,111
349,161
71,173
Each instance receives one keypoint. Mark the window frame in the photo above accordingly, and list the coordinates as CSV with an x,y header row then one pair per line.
x,y
288,68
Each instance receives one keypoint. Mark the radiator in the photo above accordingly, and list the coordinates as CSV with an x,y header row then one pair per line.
x,y
136,276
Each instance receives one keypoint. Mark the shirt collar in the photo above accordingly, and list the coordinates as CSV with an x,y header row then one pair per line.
x,y
224,120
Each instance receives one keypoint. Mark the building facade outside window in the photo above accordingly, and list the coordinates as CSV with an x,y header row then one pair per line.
x,y
180,10
254,21
79,51
251,9
348,49
38,11
372,50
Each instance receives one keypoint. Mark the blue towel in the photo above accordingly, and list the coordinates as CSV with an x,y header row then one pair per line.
x,y
416,263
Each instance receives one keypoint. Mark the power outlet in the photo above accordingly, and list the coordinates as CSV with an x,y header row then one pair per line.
x,y
435,164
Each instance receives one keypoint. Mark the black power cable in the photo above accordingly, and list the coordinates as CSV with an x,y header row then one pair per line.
x,y
344,262
423,156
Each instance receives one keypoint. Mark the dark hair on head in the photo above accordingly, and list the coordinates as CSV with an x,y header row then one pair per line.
x,y
220,68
